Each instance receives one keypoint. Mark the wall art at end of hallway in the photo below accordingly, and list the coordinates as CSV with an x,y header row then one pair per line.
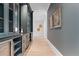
x,y
40,28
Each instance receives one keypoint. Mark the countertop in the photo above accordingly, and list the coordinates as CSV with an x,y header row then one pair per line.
x,y
9,38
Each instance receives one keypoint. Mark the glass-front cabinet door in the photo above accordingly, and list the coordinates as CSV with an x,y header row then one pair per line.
x,y
11,17
1,18
28,23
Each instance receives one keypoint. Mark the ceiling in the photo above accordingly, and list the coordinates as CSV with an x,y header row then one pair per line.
x,y
39,6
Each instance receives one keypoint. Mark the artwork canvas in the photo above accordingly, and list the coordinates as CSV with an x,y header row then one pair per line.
x,y
55,18
40,28
51,22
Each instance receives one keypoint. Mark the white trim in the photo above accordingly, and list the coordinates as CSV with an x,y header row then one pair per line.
x,y
53,48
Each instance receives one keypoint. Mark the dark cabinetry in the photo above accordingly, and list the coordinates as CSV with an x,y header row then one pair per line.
x,y
17,46
11,10
1,18
8,21
26,18
25,25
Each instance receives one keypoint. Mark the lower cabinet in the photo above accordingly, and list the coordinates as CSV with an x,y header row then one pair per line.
x,y
12,47
15,46
5,49
25,42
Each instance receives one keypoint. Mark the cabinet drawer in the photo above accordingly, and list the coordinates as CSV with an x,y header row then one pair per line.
x,y
5,49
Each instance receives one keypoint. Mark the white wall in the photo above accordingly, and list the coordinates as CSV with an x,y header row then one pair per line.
x,y
40,17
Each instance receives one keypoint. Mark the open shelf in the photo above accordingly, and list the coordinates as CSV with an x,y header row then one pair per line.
x,y
17,45
17,49
17,42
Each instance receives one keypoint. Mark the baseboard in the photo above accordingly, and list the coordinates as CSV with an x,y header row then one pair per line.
x,y
54,49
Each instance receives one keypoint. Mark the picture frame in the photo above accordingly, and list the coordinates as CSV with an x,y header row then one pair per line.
x,y
55,18
51,22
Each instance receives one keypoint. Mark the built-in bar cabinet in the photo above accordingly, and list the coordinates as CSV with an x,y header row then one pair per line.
x,y
15,28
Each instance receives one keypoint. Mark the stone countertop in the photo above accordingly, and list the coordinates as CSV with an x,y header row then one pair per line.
x,y
8,38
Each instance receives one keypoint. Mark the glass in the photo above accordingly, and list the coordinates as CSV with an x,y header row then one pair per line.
x,y
1,18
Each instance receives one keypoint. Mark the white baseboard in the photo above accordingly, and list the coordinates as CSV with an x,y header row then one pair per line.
x,y
54,49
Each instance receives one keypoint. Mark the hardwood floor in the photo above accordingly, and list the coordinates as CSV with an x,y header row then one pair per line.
x,y
39,47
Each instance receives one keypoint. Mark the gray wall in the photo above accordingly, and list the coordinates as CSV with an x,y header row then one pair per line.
x,y
66,39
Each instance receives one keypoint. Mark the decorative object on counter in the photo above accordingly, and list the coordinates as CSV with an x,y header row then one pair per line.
x,y
16,29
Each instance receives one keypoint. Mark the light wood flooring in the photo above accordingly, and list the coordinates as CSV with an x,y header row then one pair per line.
x,y
39,47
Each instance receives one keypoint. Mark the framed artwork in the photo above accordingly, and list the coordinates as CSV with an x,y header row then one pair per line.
x,y
55,18
40,28
51,22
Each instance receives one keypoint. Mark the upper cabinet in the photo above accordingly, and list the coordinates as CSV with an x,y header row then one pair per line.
x,y
1,10
9,19
11,10
26,18
1,18
15,18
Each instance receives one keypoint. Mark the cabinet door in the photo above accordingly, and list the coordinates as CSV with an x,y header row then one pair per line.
x,y
23,43
27,40
5,49
1,17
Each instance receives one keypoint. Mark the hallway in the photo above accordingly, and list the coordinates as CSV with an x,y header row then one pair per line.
x,y
39,47
39,29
